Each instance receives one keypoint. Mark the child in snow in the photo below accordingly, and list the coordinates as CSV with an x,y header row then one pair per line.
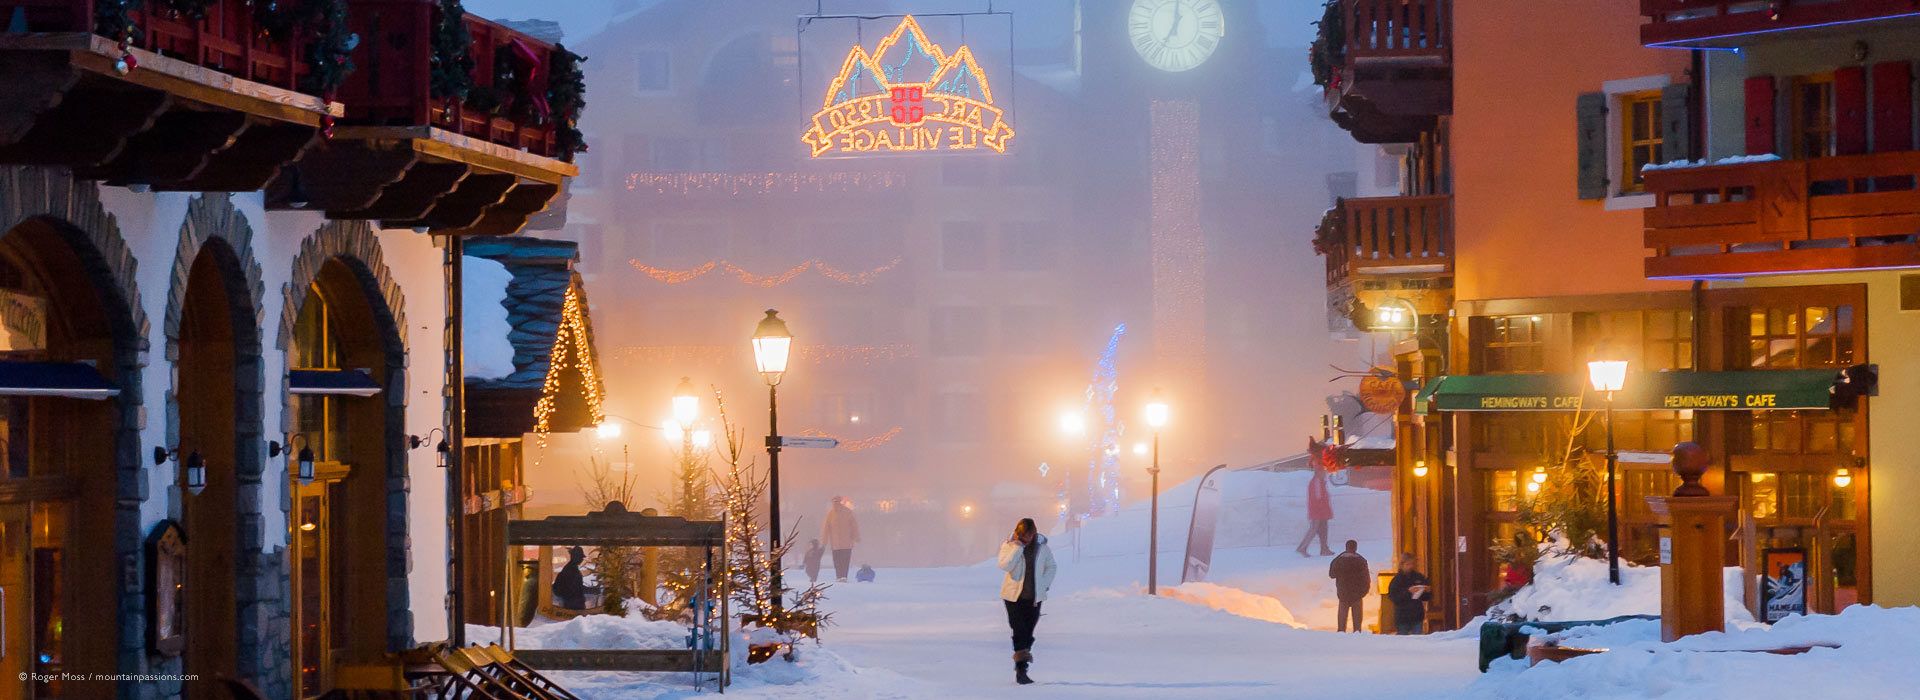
x,y
865,575
814,552
1029,566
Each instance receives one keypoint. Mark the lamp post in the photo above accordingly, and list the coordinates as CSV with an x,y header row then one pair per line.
x,y
771,344
1609,375
1156,417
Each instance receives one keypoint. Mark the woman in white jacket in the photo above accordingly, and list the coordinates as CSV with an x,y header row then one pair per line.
x,y
1028,563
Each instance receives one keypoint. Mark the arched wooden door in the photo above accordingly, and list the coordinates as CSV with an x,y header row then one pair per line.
x,y
57,568
340,548
217,334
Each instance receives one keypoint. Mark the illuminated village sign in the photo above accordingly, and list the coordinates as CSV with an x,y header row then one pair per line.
x,y
908,96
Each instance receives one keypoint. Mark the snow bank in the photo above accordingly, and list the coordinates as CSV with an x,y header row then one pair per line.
x,y
1235,601
1257,509
1872,660
1576,588
592,632
483,295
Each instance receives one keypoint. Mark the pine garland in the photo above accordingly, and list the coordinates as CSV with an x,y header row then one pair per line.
x,y
567,94
1329,49
330,55
113,19
451,76
271,19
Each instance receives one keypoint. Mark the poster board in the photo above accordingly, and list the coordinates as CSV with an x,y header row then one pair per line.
x,y
1783,583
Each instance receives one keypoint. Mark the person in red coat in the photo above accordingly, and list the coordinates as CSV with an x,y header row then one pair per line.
x,y
1319,505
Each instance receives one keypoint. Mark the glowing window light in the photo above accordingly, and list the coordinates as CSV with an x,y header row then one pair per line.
x,y
865,112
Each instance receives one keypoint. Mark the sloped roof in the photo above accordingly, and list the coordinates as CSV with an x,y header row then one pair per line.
x,y
542,273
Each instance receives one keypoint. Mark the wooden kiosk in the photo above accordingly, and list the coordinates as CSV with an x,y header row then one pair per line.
x,y
616,527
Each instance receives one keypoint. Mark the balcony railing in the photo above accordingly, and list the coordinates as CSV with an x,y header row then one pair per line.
x,y
1386,66
394,86
1387,236
1724,23
229,39
1837,213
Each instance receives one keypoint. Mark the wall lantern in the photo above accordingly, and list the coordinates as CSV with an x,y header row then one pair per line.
x,y
303,461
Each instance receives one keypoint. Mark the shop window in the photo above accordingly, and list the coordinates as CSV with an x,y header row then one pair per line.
x,y
1668,341
1637,484
316,346
1799,337
1514,344
1793,432
1840,504
1764,496
1641,140
1507,432
1503,490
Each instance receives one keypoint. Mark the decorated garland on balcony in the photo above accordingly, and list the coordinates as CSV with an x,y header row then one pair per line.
x,y
1329,47
114,19
501,96
567,95
451,76
195,9
330,54
271,19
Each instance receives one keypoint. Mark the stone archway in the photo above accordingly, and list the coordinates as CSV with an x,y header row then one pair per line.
x,y
354,245
76,219
216,248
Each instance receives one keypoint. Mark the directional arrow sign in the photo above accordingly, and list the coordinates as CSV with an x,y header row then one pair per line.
x,y
820,442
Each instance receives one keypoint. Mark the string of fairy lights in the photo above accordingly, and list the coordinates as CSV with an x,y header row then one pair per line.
x,y
571,350
860,445
763,184
1177,244
681,276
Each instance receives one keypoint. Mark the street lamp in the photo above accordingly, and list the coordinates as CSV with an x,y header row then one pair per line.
x,y
686,403
1073,423
1156,417
771,345
1609,375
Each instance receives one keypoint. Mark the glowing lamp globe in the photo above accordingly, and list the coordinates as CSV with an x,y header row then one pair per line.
x,y
1420,468
1073,423
1842,477
607,430
771,343
673,431
1157,411
1607,375
1539,475
702,438
686,403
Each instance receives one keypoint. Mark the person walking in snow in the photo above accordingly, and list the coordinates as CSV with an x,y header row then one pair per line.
x,y
1409,590
1319,508
1029,566
1349,574
841,532
814,552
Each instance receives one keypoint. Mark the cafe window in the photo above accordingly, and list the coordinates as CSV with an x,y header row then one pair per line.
x,y
1503,490
1796,497
316,346
1637,484
1793,432
1668,340
1799,337
1514,344
1653,431
1508,432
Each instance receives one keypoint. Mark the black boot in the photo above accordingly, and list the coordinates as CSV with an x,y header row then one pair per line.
x,y
1020,673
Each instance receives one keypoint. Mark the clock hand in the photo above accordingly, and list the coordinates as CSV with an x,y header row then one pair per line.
x,y
1175,27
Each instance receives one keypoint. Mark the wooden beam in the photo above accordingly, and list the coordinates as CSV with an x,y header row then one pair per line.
x,y
255,158
415,193
1906,255
340,176
450,146
464,206
36,83
90,126
179,146
511,214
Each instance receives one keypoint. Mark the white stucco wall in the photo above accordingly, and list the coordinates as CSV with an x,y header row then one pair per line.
x,y
151,224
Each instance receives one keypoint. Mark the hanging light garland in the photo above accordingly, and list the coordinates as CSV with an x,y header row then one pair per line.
x,y
570,351
857,445
761,184
749,277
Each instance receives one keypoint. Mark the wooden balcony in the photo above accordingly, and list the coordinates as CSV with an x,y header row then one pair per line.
x,y
1384,249
1391,64
1840,213
475,159
1733,23
219,103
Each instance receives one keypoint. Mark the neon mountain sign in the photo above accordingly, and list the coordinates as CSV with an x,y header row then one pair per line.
x,y
907,96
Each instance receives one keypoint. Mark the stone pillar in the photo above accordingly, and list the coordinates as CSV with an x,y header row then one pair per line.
x,y
1692,551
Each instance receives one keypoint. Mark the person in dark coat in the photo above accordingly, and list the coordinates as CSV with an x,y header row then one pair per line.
x,y
814,553
569,587
1409,590
1349,574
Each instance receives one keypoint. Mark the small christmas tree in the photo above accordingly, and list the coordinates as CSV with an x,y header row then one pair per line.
x,y
611,566
743,491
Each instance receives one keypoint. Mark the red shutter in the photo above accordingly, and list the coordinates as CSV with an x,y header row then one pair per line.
x,y
1850,111
1892,107
1760,115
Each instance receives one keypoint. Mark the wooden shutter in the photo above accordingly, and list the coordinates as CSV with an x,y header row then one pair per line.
x,y
1760,132
1892,107
1676,117
1590,112
1850,111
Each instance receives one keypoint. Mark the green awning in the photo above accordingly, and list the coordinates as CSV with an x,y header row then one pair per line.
x,y
1757,390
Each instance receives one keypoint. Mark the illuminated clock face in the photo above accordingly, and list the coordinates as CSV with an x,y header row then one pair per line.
x,y
1176,35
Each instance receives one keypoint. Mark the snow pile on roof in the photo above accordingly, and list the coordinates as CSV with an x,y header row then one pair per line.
x,y
1729,160
1873,659
484,327
1235,601
1576,588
